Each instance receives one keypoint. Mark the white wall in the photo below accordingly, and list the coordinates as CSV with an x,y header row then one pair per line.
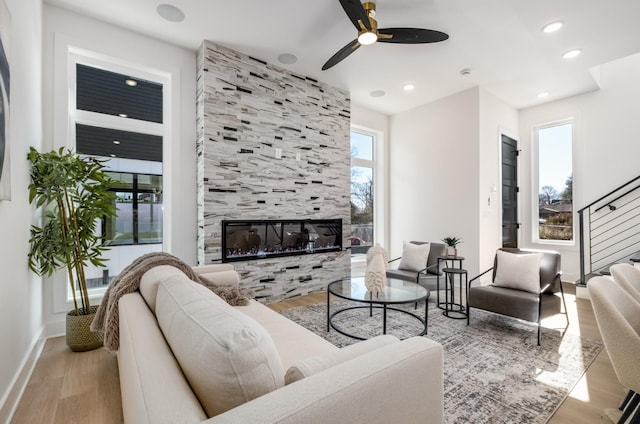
x,y
434,170
133,49
496,118
370,120
21,320
606,147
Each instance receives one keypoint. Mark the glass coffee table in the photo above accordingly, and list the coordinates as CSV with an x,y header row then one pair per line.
x,y
396,292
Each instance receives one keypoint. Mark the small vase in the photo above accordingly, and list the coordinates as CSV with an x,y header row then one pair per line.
x,y
451,252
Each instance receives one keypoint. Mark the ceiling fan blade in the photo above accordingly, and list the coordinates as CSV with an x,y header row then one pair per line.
x,y
411,35
355,11
341,54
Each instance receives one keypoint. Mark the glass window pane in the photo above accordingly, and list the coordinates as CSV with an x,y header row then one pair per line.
x,y
116,94
97,141
361,209
150,218
121,228
361,146
555,183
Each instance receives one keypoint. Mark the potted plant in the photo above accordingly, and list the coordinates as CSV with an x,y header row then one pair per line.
x,y
452,245
75,194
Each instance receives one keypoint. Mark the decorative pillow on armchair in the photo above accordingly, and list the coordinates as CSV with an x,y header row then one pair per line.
x,y
518,271
414,256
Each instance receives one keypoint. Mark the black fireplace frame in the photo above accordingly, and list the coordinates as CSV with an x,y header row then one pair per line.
x,y
276,228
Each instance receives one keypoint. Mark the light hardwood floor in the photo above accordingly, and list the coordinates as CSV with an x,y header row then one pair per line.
x,y
68,387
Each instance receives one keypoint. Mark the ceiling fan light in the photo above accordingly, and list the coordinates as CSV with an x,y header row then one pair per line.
x,y
367,38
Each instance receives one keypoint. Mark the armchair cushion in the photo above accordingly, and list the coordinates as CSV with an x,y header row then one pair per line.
x,y
518,271
414,256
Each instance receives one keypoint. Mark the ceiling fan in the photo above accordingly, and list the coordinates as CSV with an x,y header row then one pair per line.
x,y
363,17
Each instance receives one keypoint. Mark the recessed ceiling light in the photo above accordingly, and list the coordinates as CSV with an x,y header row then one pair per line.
x,y
571,54
377,93
170,13
408,87
131,82
287,58
116,141
543,94
123,115
552,27
465,72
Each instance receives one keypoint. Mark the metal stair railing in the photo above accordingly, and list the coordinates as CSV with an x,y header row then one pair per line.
x,y
611,226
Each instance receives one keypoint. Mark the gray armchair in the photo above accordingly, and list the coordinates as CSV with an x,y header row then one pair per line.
x,y
521,304
426,277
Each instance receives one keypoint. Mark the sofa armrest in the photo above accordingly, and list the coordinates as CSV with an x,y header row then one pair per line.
x,y
218,274
401,382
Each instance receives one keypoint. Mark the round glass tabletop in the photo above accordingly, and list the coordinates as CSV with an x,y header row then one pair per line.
x,y
396,291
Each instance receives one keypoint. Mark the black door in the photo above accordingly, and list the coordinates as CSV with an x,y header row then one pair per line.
x,y
510,223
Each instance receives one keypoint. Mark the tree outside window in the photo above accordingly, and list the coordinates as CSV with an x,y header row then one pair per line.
x,y
555,183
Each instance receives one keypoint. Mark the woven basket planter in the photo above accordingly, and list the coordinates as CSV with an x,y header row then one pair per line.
x,y
79,337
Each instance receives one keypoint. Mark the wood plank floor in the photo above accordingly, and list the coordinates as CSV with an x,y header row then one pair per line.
x,y
68,387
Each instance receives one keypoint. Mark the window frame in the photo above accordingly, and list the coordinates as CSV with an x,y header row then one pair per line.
x,y
379,179
535,182
67,52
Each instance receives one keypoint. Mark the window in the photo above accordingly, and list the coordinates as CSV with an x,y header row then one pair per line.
x,y
362,192
139,205
117,114
554,214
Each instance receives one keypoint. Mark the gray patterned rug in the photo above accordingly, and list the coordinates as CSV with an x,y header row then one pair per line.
x,y
494,372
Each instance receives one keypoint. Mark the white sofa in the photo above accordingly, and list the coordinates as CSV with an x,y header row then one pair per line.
x,y
186,356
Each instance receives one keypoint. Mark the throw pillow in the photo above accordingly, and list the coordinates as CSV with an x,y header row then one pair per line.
x,y
518,271
414,256
310,366
227,357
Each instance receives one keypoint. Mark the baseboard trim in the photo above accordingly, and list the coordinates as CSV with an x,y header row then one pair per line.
x,y
9,403
581,292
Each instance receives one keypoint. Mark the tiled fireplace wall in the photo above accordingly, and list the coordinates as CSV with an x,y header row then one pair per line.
x,y
271,145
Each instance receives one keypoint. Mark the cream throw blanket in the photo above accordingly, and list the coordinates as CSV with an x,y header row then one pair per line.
x,y
106,320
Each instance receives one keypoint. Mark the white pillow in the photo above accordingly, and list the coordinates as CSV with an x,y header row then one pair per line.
x,y
414,256
518,271
226,356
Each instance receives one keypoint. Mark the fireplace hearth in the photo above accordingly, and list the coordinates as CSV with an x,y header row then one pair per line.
x,y
260,239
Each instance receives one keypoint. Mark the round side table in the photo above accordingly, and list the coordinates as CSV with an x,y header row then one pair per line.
x,y
453,308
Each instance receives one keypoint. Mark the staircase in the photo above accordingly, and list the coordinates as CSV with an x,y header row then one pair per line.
x,y
610,231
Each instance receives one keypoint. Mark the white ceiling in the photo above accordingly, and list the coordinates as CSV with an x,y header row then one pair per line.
x,y
499,40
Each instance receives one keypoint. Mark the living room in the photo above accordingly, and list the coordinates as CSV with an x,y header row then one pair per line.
x,y
451,141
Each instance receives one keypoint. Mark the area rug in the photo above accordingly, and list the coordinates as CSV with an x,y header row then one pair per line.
x,y
494,372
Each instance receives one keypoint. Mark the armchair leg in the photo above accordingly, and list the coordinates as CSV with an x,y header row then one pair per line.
x,y
539,318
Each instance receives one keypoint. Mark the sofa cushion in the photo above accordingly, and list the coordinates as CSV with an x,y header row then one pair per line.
x,y
310,366
414,256
227,357
518,271
292,341
151,279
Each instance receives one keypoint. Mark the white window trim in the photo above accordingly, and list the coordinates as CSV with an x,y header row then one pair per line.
x,y
66,54
379,178
535,183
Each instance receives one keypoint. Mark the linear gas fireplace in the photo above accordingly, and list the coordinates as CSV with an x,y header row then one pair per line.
x,y
258,239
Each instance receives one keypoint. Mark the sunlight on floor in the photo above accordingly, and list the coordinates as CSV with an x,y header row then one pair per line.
x,y
581,390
